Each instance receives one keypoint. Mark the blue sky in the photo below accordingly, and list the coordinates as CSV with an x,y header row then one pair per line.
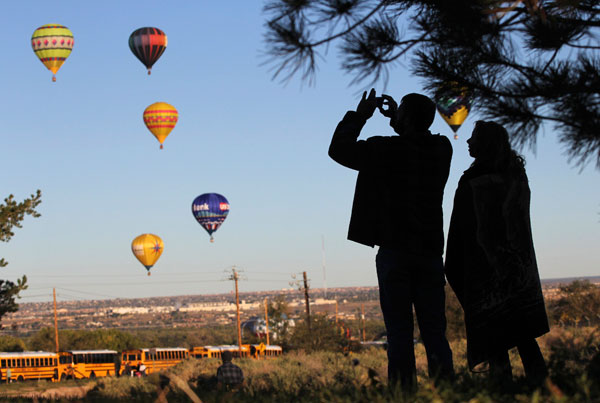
x,y
262,144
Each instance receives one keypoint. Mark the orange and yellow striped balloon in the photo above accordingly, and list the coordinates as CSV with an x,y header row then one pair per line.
x,y
160,118
52,44
147,248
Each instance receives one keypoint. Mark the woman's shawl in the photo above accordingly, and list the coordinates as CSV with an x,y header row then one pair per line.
x,y
501,292
504,233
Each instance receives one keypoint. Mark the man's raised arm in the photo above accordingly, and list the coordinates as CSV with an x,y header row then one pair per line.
x,y
344,148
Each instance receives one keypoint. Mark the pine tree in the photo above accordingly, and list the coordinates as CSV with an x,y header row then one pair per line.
x,y
12,214
526,62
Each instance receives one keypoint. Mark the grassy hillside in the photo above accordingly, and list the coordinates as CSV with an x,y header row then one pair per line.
x,y
572,354
317,366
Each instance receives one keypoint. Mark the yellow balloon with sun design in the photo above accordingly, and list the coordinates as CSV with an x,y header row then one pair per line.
x,y
147,248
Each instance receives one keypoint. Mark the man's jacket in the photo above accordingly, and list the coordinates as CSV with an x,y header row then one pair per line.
x,y
399,189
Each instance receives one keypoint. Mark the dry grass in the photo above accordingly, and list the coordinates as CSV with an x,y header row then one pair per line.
x,y
572,354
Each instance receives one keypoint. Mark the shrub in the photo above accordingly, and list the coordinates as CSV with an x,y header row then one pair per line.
x,y
573,356
454,317
322,335
111,339
125,388
578,304
11,344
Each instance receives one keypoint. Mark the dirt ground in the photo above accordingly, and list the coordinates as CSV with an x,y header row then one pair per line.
x,y
49,392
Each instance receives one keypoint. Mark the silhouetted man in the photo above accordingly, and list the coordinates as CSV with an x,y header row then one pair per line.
x,y
398,206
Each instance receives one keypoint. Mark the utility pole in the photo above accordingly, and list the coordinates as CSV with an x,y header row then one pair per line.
x,y
296,283
362,309
267,320
55,320
235,277
306,299
323,264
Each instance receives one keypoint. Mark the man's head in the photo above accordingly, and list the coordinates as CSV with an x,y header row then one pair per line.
x,y
414,115
226,356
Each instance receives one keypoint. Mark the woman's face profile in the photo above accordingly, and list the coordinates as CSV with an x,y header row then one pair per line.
x,y
475,144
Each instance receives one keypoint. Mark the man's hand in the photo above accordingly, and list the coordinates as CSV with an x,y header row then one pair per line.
x,y
391,105
367,105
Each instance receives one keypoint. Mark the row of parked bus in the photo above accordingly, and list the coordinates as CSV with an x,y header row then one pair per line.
x,y
77,364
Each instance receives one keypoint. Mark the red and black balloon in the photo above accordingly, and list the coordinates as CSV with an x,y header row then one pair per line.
x,y
148,44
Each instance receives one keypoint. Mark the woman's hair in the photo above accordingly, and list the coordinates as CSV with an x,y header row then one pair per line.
x,y
495,149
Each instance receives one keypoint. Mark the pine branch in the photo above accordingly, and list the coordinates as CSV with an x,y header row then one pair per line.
x,y
289,36
475,43
12,213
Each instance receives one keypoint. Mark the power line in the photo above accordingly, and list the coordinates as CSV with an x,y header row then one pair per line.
x,y
87,292
169,274
34,296
141,283
68,296
83,285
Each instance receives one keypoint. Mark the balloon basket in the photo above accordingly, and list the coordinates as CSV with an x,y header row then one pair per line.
x,y
149,71
161,146
456,137
149,273
53,79
212,240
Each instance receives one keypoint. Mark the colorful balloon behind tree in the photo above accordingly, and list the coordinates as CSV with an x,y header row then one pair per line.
x,y
210,210
52,44
453,103
148,44
160,118
147,248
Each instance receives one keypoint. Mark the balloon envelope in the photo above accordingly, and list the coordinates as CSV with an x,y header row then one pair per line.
x,y
147,248
210,210
52,44
148,44
453,103
160,118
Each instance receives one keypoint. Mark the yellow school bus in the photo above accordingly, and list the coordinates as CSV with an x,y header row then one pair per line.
x,y
255,350
28,365
205,352
271,351
235,350
154,359
78,364
215,351
248,350
264,350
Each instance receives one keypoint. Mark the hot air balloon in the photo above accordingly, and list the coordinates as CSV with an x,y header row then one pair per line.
x,y
453,103
160,118
147,248
210,210
52,44
148,44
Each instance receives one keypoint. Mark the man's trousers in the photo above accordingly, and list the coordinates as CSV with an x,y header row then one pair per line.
x,y
407,280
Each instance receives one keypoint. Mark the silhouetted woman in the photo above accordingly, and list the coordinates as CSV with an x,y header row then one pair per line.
x,y
490,259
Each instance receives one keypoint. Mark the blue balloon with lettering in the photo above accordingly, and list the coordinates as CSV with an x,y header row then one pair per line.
x,y
210,210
